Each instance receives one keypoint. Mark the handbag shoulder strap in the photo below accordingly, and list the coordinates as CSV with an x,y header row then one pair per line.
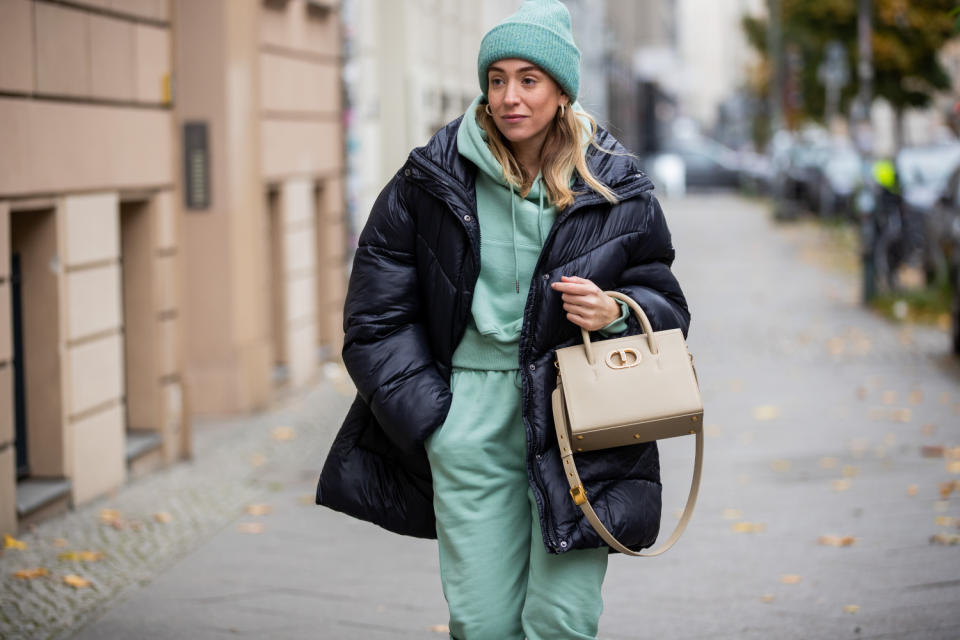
x,y
579,494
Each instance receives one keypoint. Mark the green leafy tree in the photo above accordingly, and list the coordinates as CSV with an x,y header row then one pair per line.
x,y
906,38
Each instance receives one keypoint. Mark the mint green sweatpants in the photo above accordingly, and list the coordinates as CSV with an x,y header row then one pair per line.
x,y
498,579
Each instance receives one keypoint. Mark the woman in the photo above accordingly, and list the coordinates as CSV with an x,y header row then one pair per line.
x,y
485,253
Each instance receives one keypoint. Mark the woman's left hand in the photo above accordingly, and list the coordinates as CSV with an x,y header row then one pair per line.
x,y
587,306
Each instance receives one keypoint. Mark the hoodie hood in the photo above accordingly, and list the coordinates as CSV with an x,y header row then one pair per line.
x,y
472,145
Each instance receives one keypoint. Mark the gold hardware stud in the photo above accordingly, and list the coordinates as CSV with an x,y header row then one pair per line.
x,y
694,418
579,449
637,436
578,494
579,437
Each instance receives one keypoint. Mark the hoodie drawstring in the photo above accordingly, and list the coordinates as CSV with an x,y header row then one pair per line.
x,y
540,213
516,258
513,218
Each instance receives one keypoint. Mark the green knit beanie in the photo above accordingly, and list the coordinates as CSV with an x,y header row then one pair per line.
x,y
538,32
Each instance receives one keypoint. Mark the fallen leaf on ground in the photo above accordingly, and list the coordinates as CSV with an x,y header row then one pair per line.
x,y
307,498
953,466
889,397
732,514
849,471
162,516
945,521
440,628
931,451
81,556
928,429
946,488
916,397
780,466
901,415
9,542
60,542
30,574
790,578
768,598
259,509
749,527
108,516
851,608
952,453
828,463
258,460
283,433
766,412
945,538
912,490
836,541
250,527
840,485
862,393
76,581
836,346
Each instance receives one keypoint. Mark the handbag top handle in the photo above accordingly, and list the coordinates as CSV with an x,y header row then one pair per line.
x,y
641,316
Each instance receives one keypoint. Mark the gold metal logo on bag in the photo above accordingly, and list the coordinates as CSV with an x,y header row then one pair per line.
x,y
625,362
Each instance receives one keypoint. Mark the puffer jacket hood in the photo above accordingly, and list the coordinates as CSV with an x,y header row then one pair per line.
x,y
408,306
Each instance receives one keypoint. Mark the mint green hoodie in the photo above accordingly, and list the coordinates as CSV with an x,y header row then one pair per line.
x,y
512,232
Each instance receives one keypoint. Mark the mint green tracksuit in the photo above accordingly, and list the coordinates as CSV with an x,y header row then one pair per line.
x,y
498,579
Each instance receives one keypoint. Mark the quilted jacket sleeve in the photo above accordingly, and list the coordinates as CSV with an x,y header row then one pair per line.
x,y
648,278
385,349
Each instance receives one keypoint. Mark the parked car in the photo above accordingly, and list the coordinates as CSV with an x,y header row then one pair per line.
x,y
946,210
923,173
814,173
707,163
756,172
833,179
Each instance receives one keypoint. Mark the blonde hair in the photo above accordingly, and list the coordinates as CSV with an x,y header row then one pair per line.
x,y
562,154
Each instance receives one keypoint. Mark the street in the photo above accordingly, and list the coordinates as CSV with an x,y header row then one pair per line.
x,y
833,446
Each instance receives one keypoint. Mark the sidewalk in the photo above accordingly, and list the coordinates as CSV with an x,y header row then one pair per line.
x,y
161,519
822,420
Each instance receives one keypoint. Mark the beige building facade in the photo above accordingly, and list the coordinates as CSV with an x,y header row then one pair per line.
x,y
171,229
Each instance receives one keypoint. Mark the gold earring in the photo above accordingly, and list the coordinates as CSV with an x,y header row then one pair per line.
x,y
563,110
489,112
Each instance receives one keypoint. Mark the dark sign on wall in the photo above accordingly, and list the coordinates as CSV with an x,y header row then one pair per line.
x,y
196,163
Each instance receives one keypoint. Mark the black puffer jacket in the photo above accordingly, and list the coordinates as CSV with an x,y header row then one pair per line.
x,y
408,306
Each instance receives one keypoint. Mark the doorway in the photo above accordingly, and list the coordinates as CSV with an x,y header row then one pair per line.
x,y
35,282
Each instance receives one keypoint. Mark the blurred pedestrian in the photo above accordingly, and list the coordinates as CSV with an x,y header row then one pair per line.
x,y
487,251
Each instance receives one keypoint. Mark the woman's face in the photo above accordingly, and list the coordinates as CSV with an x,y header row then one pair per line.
x,y
524,100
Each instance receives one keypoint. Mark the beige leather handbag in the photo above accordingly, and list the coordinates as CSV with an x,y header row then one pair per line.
x,y
622,391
